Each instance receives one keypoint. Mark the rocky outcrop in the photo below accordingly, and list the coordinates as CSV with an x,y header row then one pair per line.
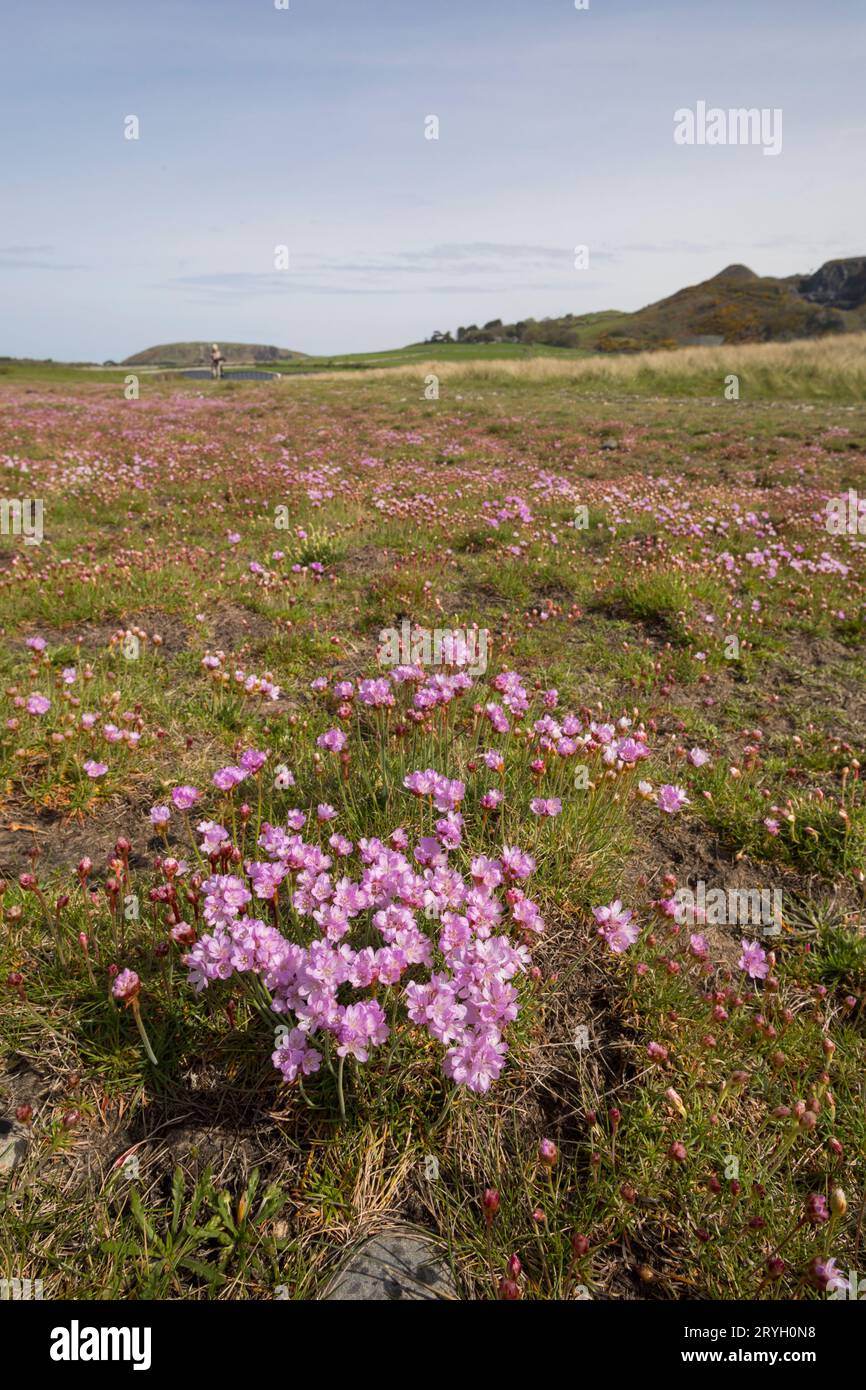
x,y
838,284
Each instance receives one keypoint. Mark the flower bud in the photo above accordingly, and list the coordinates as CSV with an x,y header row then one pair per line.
x,y
838,1202
816,1208
548,1153
490,1203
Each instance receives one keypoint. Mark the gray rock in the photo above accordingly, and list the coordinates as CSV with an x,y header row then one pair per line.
x,y
399,1263
838,284
14,1142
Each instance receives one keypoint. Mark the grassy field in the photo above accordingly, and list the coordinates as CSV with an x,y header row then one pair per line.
x,y
673,695
455,354
826,369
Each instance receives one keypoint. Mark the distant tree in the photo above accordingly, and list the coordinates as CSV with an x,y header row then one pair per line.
x,y
557,335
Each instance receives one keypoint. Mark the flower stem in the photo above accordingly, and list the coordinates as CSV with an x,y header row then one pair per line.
x,y
144,1038
340,1096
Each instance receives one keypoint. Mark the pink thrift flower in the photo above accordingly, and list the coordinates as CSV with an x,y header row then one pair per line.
x,y
828,1276
516,864
541,807
671,798
616,926
227,778
214,836
126,986
334,740
630,751
294,1057
185,797
364,1026
476,1061
754,960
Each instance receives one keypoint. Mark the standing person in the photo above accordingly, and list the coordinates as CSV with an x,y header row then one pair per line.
x,y
216,362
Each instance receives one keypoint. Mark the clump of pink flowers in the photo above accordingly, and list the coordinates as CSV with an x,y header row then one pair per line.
x,y
444,944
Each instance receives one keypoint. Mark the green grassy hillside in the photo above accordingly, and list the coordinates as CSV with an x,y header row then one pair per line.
x,y
740,307
736,306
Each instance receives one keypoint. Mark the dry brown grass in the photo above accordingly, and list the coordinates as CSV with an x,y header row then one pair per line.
x,y
831,368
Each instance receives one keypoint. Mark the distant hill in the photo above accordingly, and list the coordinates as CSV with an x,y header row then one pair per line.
x,y
739,306
198,355
735,306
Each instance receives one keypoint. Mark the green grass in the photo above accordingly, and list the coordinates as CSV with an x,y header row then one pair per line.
x,y
613,621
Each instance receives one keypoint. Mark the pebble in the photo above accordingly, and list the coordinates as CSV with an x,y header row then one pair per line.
x,y
397,1264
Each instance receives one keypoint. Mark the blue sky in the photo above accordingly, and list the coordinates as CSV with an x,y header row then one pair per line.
x,y
305,127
